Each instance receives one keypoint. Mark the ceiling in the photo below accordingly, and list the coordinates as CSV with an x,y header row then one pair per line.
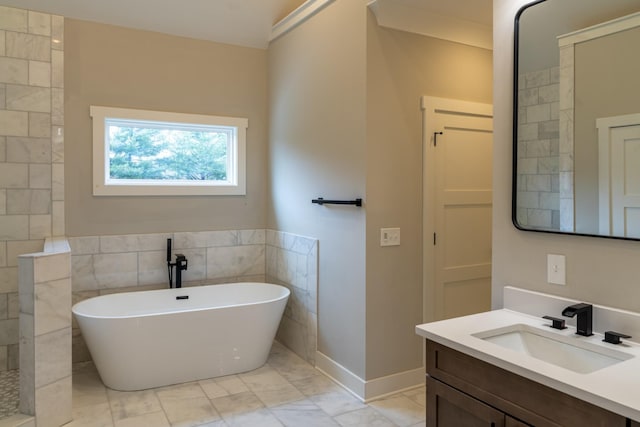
x,y
249,22
240,22
463,21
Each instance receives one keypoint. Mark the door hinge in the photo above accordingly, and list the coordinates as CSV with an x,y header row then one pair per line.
x,y
434,239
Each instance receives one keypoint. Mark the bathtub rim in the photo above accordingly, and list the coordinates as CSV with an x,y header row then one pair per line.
x,y
285,294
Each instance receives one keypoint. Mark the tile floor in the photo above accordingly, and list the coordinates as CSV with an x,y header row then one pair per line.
x,y
9,393
285,392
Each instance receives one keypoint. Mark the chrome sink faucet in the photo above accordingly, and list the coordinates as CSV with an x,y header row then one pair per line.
x,y
584,323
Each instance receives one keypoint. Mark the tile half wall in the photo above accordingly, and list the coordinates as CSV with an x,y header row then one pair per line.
x,y
136,262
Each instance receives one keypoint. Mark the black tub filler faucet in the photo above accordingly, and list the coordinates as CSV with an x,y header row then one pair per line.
x,y
181,265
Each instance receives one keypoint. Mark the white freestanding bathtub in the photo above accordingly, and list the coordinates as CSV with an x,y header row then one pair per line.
x,y
148,339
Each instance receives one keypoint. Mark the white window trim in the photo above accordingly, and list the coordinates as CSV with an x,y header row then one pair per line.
x,y
102,186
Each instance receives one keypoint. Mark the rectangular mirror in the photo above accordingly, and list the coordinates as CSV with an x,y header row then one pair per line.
x,y
576,164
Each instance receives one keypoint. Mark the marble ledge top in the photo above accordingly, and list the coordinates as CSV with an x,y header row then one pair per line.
x,y
56,245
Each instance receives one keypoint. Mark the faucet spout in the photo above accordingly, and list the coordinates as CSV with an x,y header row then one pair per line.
x,y
584,323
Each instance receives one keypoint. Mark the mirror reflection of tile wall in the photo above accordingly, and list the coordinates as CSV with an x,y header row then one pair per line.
x,y
539,149
566,91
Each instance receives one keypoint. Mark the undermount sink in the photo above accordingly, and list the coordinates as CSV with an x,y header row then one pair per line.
x,y
568,352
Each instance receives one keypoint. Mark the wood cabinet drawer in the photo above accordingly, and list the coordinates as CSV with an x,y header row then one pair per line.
x,y
452,408
520,397
512,422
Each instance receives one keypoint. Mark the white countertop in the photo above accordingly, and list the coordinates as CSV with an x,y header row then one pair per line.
x,y
615,388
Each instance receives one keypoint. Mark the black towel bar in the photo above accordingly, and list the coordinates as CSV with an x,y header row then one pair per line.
x,y
321,201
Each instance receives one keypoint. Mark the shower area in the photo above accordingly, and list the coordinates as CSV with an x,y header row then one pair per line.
x,y
31,199
9,393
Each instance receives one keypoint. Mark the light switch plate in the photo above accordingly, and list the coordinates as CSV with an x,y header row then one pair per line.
x,y
389,237
556,269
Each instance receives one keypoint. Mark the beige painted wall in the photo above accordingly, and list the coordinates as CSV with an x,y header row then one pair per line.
x,y
599,270
401,67
318,76
606,85
113,66
317,85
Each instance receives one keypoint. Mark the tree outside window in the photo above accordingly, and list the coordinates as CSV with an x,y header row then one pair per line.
x,y
165,154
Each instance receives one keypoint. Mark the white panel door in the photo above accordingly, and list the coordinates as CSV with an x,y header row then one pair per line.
x,y
625,181
619,175
458,207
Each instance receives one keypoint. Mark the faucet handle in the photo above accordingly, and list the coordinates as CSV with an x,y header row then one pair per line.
x,y
614,337
555,322
181,261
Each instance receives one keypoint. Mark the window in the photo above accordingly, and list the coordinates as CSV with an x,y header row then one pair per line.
x,y
153,153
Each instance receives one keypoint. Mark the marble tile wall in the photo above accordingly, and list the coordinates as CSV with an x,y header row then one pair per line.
x,y
123,263
31,151
538,181
292,261
45,335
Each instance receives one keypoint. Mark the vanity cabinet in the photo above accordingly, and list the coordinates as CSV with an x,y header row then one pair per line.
x,y
450,407
465,391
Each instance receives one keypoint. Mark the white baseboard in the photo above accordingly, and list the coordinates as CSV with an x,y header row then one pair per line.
x,y
347,379
394,383
370,390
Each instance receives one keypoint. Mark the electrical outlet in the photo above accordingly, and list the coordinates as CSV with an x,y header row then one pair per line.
x,y
389,237
556,269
